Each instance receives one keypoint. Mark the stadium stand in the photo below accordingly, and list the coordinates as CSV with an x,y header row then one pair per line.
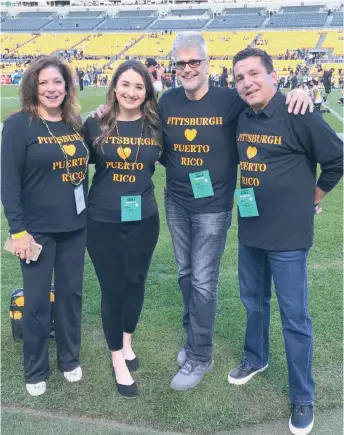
x,y
337,20
133,14
86,64
297,20
283,67
49,43
126,24
178,24
86,14
106,44
188,12
70,24
328,66
301,9
279,42
227,43
152,47
333,41
34,15
236,22
11,41
24,24
242,11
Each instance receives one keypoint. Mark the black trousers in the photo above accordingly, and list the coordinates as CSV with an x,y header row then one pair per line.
x,y
63,254
81,85
121,254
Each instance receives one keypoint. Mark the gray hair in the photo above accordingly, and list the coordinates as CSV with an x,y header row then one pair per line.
x,y
185,40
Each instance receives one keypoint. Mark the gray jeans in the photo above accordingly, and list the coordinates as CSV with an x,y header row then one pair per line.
x,y
198,242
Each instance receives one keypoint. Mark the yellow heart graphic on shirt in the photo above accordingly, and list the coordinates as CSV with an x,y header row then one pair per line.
x,y
190,134
124,153
69,149
251,152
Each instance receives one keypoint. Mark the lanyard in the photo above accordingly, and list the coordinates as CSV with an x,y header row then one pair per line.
x,y
76,184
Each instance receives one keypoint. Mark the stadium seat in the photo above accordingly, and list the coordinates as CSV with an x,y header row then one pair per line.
x,y
236,22
24,24
297,20
279,42
180,24
332,41
134,23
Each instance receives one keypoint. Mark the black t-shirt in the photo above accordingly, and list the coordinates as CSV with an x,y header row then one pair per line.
x,y
36,192
200,135
278,155
327,77
118,173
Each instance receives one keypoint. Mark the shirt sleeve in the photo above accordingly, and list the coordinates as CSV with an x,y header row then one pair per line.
x,y
236,105
162,158
13,159
323,144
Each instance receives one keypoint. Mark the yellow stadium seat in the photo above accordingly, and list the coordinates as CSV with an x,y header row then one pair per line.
x,y
108,44
48,43
279,42
332,41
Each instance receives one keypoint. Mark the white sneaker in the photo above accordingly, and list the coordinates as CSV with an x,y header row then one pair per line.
x,y
73,376
36,389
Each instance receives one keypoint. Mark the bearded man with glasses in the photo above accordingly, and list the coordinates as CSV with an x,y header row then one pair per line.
x,y
199,124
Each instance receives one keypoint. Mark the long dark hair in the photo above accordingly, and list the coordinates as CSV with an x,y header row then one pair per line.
x,y
149,107
29,90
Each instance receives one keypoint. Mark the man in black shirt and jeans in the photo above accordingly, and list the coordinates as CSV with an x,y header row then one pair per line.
x,y
278,156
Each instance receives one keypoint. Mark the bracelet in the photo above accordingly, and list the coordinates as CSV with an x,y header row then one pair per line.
x,y
18,235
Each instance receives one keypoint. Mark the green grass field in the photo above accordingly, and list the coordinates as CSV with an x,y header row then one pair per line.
x,y
215,407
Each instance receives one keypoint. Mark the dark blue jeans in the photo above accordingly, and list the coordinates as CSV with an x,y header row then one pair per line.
x,y
288,269
198,242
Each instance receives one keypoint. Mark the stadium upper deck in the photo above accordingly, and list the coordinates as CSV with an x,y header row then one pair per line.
x,y
106,35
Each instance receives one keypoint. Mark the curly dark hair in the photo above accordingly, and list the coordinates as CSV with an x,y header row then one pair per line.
x,y
29,90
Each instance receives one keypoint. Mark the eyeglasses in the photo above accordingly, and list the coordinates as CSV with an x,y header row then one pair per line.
x,y
193,63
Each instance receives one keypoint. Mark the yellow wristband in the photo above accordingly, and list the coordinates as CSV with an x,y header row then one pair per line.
x,y
18,235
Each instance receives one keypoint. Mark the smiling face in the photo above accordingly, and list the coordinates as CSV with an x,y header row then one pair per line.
x,y
192,79
254,84
130,91
51,89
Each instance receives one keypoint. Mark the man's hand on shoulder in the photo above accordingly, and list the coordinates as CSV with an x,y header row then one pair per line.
x,y
98,112
299,101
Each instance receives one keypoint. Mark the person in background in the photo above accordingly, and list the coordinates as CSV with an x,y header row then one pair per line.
x,y
44,163
155,72
316,97
293,80
123,219
278,157
95,80
80,74
327,82
224,77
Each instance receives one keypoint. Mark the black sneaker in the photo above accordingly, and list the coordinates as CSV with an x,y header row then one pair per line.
x,y
301,420
243,373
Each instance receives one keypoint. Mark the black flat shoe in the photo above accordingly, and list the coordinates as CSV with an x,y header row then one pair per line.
x,y
128,391
132,364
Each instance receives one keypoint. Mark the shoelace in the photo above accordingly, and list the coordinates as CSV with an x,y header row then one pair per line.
x,y
300,409
244,365
188,367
